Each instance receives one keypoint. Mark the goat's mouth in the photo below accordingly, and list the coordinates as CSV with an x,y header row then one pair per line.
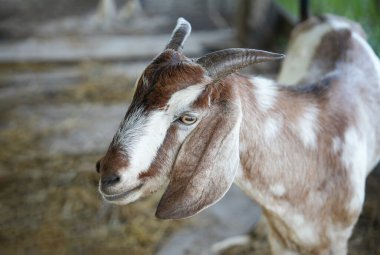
x,y
122,195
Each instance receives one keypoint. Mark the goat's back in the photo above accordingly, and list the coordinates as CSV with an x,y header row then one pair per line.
x,y
334,49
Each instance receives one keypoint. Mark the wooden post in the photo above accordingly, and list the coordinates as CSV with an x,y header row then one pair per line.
x,y
304,10
260,22
242,17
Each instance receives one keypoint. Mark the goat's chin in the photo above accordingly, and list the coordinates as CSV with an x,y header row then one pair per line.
x,y
125,197
124,200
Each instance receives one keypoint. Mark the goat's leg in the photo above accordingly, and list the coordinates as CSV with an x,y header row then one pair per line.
x,y
338,246
219,247
277,247
340,243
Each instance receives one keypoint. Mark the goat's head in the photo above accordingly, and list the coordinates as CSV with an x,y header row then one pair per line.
x,y
181,128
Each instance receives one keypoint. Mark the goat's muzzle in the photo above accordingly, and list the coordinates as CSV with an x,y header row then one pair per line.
x,y
109,180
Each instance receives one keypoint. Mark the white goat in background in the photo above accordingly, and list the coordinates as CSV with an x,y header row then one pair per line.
x,y
302,152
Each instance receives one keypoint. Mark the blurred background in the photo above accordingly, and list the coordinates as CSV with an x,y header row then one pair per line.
x,y
67,69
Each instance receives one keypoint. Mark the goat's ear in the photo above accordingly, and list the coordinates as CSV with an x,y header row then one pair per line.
x,y
205,166
179,35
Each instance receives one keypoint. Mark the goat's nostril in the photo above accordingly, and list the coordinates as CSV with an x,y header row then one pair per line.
x,y
110,180
98,166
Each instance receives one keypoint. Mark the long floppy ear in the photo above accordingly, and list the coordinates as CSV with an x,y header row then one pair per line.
x,y
205,166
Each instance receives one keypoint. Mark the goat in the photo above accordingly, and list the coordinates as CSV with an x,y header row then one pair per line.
x,y
302,152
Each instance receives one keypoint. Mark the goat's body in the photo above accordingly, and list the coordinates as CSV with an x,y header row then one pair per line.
x,y
306,151
302,152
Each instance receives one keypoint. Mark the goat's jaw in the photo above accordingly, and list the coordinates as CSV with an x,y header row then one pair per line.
x,y
124,197
124,193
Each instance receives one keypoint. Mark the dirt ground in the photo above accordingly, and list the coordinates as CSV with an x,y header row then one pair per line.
x,y
49,202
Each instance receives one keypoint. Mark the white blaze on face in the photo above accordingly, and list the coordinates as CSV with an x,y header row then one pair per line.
x,y
152,134
183,98
142,134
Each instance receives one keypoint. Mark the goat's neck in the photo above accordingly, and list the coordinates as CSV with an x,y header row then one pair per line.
x,y
279,127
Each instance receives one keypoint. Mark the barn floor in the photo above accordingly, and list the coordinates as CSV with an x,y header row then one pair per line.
x,y
55,123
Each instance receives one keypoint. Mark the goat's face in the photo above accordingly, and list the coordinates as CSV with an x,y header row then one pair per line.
x,y
181,128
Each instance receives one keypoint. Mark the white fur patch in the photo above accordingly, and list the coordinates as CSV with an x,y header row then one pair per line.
x,y
277,190
272,127
339,24
307,126
307,233
306,230
265,92
300,54
337,144
297,219
353,146
354,158
372,56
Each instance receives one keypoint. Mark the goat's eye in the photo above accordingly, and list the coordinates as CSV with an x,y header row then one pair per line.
x,y
188,119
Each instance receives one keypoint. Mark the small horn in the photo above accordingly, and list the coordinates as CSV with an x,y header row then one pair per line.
x,y
224,62
179,35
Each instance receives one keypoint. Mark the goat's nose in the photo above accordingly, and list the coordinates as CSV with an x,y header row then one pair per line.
x,y
110,180
98,166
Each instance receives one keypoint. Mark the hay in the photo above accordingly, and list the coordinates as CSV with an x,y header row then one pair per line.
x,y
49,204
53,207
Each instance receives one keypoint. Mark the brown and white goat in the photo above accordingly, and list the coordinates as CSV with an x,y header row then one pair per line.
x,y
302,152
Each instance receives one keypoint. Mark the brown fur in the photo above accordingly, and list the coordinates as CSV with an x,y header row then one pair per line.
x,y
168,73
112,162
193,183
336,97
326,175
317,184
